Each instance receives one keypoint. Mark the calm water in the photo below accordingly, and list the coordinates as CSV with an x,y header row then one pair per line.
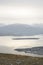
x,y
7,45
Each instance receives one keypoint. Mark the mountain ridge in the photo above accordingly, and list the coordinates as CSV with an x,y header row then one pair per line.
x,y
21,30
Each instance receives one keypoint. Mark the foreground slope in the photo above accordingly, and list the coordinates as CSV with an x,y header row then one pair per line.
x,y
8,59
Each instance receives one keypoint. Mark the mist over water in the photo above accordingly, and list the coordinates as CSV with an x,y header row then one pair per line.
x,y
8,41
7,45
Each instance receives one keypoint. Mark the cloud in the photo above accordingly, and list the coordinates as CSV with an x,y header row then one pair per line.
x,y
26,2
7,20
12,9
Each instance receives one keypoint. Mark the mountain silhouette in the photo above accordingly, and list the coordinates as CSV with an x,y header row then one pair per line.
x,y
21,30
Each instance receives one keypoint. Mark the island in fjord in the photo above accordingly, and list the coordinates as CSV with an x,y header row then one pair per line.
x,y
25,38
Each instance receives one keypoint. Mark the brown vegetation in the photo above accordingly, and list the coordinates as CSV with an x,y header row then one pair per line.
x,y
10,59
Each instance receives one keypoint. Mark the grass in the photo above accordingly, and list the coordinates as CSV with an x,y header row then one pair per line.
x,y
10,59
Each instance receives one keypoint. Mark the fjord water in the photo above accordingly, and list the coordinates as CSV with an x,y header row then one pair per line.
x,y
7,44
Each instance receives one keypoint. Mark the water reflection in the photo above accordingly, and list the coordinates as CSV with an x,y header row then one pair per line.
x,y
13,44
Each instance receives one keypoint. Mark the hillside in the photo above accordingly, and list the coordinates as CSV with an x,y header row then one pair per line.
x,y
21,30
8,59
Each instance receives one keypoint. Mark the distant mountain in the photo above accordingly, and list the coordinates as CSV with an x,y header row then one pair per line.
x,y
1,25
21,30
33,50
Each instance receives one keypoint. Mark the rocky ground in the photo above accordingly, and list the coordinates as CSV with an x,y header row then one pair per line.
x,y
9,59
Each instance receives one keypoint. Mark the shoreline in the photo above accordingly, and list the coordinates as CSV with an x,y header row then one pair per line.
x,y
18,55
28,54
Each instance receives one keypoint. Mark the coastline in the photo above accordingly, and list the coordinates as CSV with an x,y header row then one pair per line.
x,y
24,54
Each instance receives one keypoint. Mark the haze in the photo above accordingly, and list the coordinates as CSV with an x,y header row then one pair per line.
x,y
21,11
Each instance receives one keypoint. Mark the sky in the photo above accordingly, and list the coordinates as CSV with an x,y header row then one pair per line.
x,y
21,11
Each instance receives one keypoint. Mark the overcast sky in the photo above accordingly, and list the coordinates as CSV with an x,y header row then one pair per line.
x,y
21,11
